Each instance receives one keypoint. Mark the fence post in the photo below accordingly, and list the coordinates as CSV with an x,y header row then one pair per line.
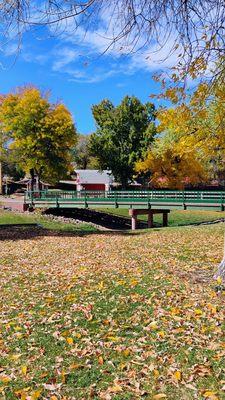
x,y
31,199
184,198
149,200
85,200
116,204
221,201
56,201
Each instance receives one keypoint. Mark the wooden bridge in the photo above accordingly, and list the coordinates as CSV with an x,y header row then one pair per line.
x,y
132,199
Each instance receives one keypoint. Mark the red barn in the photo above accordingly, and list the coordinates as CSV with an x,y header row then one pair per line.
x,y
90,179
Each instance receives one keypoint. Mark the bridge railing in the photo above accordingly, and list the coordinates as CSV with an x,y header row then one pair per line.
x,y
173,196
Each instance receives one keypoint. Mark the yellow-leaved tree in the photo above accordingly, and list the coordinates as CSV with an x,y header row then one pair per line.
x,y
41,134
191,144
200,124
173,163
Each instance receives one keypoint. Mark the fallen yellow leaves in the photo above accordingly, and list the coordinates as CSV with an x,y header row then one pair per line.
x,y
5,379
24,369
126,352
177,376
153,325
115,389
210,395
100,360
70,298
69,340
15,357
156,373
28,394
198,312
107,318
113,338
219,280
74,366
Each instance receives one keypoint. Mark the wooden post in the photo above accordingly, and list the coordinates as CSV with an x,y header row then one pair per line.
x,y
150,219
133,222
165,219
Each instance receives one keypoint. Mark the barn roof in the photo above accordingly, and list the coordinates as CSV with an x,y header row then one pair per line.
x,y
93,176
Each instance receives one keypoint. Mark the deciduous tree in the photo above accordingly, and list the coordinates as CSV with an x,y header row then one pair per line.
x,y
200,121
197,128
82,155
173,163
41,134
123,135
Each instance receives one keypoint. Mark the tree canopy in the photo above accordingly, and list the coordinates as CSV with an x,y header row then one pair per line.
x,y
172,163
123,135
191,144
82,155
39,133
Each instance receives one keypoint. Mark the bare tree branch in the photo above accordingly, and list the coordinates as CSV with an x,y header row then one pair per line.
x,y
196,27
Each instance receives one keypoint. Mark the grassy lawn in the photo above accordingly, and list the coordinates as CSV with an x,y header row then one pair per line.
x,y
7,217
112,315
176,217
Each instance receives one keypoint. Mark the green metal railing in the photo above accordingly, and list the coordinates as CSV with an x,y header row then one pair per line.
x,y
116,198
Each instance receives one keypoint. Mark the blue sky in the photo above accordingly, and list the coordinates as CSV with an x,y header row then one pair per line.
x,y
72,66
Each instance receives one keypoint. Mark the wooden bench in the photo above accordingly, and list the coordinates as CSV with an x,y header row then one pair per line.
x,y
150,212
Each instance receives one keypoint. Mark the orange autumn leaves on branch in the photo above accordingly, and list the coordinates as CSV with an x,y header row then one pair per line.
x,y
190,147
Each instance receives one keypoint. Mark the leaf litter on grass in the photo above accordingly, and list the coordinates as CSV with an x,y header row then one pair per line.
x,y
113,316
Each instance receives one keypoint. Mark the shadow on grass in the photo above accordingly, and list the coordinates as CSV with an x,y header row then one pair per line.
x,y
27,233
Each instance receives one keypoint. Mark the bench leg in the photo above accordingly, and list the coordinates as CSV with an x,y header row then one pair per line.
x,y
165,219
150,220
133,222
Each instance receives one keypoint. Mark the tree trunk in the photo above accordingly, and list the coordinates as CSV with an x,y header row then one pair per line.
x,y
38,180
32,179
0,177
220,273
39,184
221,270
124,183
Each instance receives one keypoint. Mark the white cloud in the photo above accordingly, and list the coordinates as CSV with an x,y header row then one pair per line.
x,y
11,49
40,59
100,36
64,56
91,78
90,66
156,58
79,49
78,52
118,59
